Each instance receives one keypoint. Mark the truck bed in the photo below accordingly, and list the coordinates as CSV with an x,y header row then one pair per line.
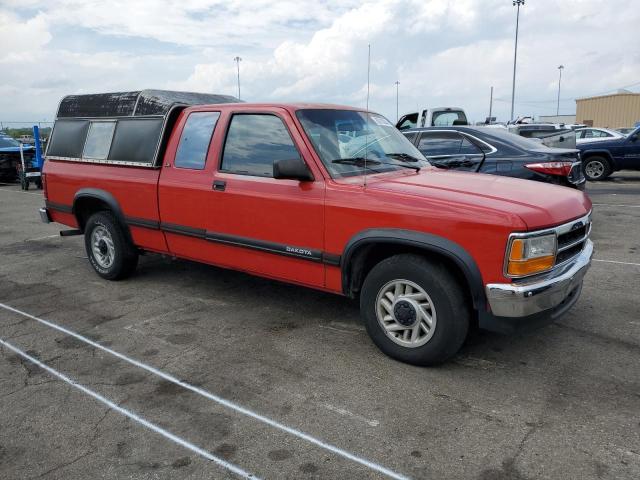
x,y
134,188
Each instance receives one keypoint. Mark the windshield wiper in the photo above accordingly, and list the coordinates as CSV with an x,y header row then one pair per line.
x,y
362,162
405,157
358,162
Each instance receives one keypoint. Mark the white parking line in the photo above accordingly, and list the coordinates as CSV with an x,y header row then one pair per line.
x,y
219,400
42,238
151,426
614,261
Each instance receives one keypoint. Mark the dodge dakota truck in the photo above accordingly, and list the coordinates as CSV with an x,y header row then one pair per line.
x,y
328,197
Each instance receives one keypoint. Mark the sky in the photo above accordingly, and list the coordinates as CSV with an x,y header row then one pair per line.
x,y
443,52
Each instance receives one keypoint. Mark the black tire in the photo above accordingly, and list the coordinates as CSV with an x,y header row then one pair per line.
x,y
124,257
446,294
596,168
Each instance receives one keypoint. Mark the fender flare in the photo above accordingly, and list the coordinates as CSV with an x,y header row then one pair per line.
x,y
425,241
105,197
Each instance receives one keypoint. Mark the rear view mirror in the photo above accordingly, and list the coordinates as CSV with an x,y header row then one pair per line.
x,y
292,169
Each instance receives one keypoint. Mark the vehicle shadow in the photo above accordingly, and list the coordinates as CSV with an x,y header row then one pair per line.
x,y
300,306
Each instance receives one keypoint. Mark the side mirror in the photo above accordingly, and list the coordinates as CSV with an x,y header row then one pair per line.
x,y
292,169
633,137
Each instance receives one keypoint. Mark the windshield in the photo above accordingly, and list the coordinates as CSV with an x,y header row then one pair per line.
x,y
343,138
8,142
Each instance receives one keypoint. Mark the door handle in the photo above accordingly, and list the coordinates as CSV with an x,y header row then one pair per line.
x,y
219,185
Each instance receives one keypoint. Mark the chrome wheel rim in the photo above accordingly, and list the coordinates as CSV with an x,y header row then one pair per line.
x,y
594,169
102,247
406,313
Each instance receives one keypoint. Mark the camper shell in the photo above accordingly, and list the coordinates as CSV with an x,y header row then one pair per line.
x,y
125,128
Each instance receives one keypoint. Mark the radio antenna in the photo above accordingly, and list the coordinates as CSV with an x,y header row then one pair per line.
x,y
366,146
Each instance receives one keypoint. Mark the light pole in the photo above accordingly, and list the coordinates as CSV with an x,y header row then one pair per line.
x,y
490,106
515,55
238,60
397,87
559,82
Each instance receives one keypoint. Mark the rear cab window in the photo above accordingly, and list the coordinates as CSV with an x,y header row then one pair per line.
x,y
195,139
447,118
254,142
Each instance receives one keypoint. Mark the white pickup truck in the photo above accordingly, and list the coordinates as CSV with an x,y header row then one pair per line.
x,y
433,117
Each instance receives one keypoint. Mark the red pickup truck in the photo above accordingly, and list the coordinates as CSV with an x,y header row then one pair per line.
x,y
333,198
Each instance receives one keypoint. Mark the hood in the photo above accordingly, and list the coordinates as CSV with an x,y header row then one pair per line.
x,y
601,143
539,205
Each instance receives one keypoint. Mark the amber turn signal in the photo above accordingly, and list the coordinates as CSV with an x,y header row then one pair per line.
x,y
519,268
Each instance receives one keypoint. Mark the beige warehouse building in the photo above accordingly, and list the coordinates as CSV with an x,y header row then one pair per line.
x,y
619,110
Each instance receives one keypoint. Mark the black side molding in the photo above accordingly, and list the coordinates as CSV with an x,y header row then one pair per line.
x,y
59,207
142,222
425,241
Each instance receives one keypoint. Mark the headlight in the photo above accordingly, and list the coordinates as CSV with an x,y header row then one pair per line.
x,y
531,255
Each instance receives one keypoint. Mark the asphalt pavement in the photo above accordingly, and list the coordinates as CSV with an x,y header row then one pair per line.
x,y
190,371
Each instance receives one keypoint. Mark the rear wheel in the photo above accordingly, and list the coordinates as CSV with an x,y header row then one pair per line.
x,y
597,168
414,310
110,252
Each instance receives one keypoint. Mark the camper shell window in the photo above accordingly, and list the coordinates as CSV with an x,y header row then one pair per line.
x,y
122,128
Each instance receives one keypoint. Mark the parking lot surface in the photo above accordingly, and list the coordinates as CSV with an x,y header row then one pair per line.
x,y
190,371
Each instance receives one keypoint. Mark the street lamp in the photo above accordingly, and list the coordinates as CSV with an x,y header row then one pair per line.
x,y
515,55
559,81
397,84
238,60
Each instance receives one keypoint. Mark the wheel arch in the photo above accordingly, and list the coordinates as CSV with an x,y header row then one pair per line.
x,y
368,247
87,201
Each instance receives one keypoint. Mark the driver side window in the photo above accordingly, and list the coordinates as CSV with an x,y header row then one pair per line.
x,y
254,142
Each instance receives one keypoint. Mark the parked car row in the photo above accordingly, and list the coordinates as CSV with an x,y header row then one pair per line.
x,y
564,155
498,152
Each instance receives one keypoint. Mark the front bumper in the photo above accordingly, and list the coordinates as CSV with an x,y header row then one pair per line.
x,y
523,299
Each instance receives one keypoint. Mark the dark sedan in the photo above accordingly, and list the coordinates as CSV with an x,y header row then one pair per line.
x,y
498,152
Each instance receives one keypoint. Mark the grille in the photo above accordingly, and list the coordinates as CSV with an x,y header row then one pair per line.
x,y
572,238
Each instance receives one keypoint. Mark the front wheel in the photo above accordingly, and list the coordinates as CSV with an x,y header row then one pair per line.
x,y
110,252
414,309
597,168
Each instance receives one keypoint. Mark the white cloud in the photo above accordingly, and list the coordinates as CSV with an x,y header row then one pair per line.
x,y
443,52
21,39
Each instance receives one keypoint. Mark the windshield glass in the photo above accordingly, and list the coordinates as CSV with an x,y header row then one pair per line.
x,y
8,142
343,138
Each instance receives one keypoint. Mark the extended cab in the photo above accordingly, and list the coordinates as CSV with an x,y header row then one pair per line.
x,y
333,198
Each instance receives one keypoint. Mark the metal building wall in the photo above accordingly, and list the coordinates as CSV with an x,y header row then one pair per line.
x,y
613,111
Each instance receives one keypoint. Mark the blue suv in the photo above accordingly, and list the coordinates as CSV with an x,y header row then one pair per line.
x,y
603,157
